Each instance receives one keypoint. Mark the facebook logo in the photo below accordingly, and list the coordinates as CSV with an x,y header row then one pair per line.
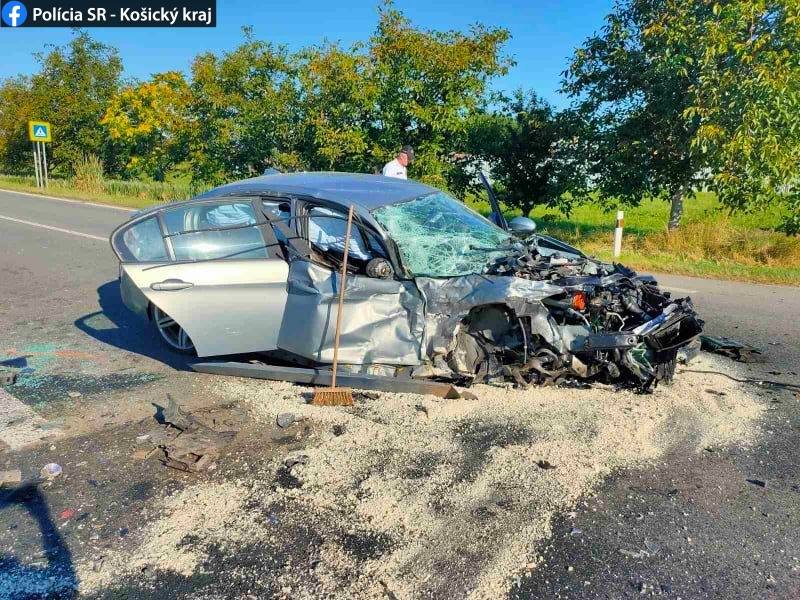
x,y
14,13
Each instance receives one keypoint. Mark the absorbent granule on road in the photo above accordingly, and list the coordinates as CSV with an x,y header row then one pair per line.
x,y
422,497
201,511
20,426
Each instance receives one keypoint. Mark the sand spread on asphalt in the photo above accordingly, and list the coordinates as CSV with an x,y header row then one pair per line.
x,y
417,496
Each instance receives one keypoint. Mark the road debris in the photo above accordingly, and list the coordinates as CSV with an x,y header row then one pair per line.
x,y
757,482
186,443
731,348
51,470
285,419
8,377
67,514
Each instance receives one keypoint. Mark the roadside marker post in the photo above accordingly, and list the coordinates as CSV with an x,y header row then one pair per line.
x,y
618,234
40,133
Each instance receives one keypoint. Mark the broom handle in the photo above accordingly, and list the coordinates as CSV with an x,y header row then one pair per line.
x,y
341,296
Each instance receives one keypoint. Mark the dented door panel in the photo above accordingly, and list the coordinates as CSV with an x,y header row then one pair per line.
x,y
382,319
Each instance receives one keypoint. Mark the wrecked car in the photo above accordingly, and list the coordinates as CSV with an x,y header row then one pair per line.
x,y
434,290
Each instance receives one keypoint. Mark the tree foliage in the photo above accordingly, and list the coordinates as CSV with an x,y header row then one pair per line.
x,y
71,90
631,92
150,124
519,144
246,109
745,97
404,86
676,94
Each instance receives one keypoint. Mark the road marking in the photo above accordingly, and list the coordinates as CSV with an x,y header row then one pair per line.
x,y
679,290
85,202
51,228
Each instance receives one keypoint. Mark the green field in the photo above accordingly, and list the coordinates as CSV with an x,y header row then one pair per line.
x,y
710,242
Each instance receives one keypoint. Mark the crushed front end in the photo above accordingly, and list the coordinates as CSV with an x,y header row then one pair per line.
x,y
545,314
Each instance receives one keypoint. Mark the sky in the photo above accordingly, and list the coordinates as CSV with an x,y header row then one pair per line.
x,y
544,34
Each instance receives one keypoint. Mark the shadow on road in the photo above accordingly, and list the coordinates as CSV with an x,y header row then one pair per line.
x,y
130,332
54,579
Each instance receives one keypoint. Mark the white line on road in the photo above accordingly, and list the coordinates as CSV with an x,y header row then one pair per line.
x,y
86,202
679,290
50,227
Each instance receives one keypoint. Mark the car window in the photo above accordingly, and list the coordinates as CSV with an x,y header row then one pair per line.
x,y
210,230
142,242
277,209
281,210
240,243
208,215
326,232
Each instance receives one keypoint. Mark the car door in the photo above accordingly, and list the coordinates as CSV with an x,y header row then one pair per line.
x,y
382,318
215,268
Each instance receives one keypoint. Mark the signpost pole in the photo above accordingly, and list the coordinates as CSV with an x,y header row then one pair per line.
x,y
44,159
36,166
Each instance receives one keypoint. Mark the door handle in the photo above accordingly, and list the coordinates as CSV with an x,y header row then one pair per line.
x,y
170,285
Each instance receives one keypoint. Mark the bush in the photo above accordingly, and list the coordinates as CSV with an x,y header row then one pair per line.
x,y
88,174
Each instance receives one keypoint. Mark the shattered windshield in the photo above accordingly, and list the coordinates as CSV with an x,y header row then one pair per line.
x,y
440,237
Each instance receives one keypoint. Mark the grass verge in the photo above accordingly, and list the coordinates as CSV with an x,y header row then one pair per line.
x,y
131,194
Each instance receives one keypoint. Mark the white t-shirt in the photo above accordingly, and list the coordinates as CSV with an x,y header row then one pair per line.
x,y
394,169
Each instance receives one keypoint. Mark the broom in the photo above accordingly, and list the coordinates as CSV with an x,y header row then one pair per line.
x,y
334,396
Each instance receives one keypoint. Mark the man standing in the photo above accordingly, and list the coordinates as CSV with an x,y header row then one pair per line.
x,y
397,167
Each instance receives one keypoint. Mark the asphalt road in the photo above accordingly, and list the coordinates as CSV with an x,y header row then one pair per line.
x,y
60,316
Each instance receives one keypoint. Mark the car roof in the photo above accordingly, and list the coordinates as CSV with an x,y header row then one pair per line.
x,y
367,191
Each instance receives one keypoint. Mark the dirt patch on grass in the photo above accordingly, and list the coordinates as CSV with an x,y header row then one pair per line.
x,y
411,496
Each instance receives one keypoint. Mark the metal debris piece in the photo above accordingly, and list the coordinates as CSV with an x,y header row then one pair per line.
x,y
544,464
729,347
757,482
175,416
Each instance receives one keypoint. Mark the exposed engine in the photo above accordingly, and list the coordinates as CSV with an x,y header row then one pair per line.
x,y
609,325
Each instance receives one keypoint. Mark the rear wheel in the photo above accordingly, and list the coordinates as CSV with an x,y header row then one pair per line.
x,y
171,334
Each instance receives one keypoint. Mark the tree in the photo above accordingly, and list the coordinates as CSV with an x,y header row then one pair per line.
x,y
16,109
71,90
631,95
246,109
404,86
519,143
150,124
675,94
745,97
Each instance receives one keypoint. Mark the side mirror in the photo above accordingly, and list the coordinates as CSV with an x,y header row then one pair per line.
x,y
522,226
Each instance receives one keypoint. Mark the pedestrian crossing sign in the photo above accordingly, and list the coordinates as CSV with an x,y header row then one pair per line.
x,y
39,131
